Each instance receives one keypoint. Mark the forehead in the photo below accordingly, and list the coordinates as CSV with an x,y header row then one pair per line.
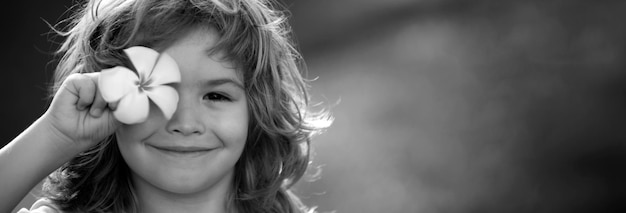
x,y
200,36
195,50
200,40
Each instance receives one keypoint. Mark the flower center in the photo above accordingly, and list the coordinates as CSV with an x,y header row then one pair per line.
x,y
144,83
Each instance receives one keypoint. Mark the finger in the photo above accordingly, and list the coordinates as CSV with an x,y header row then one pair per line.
x,y
99,104
113,106
81,86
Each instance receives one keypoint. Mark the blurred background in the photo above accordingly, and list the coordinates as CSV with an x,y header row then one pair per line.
x,y
440,106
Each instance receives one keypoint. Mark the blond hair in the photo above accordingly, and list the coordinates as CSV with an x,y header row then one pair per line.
x,y
253,35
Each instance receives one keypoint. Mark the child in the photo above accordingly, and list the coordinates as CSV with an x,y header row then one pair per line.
x,y
232,137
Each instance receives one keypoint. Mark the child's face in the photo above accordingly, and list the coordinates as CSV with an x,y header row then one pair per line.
x,y
197,149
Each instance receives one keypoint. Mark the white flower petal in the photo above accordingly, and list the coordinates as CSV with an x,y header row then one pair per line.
x,y
165,71
143,59
165,97
116,82
133,108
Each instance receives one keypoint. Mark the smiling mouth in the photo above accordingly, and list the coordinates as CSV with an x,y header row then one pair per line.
x,y
182,149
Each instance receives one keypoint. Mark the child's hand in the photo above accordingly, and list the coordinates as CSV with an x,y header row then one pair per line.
x,y
77,119
78,114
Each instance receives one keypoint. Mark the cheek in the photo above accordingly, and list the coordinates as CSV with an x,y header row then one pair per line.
x,y
138,132
131,147
129,133
234,128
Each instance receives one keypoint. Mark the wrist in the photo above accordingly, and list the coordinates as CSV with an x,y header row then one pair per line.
x,y
56,140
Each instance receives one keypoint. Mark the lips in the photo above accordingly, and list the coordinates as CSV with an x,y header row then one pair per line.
x,y
182,149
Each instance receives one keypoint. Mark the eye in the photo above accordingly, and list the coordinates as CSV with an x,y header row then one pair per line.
x,y
212,96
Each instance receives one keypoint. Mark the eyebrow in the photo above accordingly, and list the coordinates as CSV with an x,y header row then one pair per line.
x,y
221,81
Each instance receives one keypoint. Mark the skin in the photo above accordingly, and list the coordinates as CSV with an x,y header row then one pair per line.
x,y
77,119
211,120
211,117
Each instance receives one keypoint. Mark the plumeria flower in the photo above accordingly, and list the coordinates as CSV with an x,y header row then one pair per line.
x,y
154,71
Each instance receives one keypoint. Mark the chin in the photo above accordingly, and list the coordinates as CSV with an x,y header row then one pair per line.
x,y
181,187
185,184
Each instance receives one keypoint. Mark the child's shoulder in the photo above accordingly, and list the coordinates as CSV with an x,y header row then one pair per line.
x,y
43,205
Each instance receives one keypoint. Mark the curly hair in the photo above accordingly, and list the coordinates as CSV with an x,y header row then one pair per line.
x,y
254,35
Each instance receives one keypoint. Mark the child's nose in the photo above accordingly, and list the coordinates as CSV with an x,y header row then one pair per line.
x,y
185,120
